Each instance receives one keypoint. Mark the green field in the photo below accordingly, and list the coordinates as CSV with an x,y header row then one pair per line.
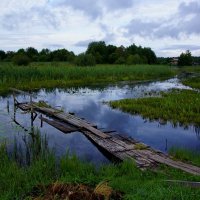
x,y
51,75
181,107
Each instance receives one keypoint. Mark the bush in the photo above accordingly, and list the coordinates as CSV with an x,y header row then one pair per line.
x,y
20,60
120,60
85,60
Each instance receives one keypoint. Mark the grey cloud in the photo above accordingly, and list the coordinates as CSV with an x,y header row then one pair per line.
x,y
88,7
109,35
139,27
83,43
35,16
191,8
182,47
169,27
118,4
94,9
54,46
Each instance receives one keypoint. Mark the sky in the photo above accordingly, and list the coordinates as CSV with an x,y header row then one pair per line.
x,y
168,27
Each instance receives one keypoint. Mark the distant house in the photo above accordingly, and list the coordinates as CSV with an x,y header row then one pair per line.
x,y
174,61
195,63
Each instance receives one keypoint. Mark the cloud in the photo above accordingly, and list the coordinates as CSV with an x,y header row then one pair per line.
x,y
28,18
184,22
94,9
88,7
182,47
54,46
83,43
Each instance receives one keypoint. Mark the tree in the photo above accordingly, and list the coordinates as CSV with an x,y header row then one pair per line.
x,y
133,60
98,50
185,59
44,55
21,59
2,55
150,55
60,55
9,55
32,53
85,60
110,50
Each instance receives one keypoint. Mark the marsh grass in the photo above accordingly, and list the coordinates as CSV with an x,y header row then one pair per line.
x,y
50,75
18,181
179,107
192,82
185,155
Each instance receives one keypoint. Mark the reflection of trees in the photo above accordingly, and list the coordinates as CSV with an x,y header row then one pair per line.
x,y
197,131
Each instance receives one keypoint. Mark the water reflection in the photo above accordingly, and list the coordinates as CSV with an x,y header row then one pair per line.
x,y
87,103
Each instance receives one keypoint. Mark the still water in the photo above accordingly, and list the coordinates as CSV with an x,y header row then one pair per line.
x,y
88,102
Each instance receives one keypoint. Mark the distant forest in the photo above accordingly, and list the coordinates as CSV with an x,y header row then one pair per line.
x,y
98,52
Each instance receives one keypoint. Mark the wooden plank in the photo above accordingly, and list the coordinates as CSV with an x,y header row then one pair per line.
x,y
69,119
20,91
65,128
107,144
184,183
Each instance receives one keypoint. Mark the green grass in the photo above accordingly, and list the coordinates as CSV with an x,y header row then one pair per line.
x,y
50,75
191,69
192,82
18,181
177,106
185,155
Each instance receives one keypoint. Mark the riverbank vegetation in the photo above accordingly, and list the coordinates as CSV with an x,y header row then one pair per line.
x,y
178,106
50,75
44,177
192,82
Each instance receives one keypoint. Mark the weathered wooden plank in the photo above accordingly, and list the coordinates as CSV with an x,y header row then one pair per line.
x,y
65,128
69,119
20,91
184,183
104,143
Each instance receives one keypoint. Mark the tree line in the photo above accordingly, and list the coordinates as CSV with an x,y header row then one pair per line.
x,y
96,53
185,59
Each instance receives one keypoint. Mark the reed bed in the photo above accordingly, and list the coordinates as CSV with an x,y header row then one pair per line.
x,y
192,82
49,75
178,107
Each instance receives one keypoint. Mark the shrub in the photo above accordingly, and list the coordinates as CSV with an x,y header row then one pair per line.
x,y
120,60
133,60
85,60
21,59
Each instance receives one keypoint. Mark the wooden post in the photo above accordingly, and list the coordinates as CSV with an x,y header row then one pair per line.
x,y
41,123
166,145
8,106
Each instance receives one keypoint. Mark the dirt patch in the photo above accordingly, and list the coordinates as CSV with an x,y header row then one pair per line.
x,y
60,191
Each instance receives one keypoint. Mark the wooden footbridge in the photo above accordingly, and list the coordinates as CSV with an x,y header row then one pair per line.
x,y
111,142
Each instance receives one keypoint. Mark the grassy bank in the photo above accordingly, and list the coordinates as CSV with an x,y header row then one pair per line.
x,y
50,75
177,106
18,182
192,82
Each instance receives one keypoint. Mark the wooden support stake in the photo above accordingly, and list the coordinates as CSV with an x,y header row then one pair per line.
x,y
41,122
8,106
